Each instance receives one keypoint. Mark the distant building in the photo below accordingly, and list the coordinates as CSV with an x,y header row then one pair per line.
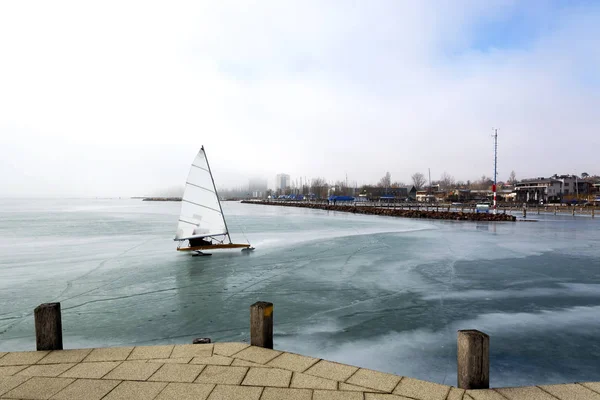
x,y
540,190
257,188
282,181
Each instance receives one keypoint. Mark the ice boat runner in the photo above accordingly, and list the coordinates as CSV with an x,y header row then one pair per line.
x,y
201,221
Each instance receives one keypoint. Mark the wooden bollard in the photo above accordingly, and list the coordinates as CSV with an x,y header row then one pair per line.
x,y
261,324
573,211
555,210
48,327
473,360
593,209
524,212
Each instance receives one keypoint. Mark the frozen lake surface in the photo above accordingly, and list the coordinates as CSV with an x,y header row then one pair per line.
x,y
378,292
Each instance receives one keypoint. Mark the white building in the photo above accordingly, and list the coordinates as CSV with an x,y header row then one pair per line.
x,y
282,181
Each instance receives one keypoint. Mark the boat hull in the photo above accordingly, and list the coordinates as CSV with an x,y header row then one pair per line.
x,y
215,247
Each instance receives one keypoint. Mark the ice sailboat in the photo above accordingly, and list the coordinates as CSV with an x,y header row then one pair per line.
x,y
201,221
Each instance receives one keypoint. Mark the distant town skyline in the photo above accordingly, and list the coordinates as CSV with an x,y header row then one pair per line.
x,y
303,87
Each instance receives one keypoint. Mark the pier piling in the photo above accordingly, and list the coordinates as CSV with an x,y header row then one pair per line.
x,y
473,360
261,324
48,327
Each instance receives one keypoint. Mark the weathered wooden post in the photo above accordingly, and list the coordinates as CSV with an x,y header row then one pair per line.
x,y
538,209
261,324
555,209
48,327
573,211
524,212
473,360
593,209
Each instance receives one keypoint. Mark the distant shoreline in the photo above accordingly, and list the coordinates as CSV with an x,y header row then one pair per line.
x,y
158,198
394,212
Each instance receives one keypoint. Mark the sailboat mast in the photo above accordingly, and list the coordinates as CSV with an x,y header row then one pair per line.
x,y
218,200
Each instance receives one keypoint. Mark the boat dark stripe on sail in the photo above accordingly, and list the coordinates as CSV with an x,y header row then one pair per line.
x,y
202,168
200,187
200,205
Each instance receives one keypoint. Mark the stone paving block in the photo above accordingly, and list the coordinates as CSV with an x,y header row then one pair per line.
x,y
258,355
192,350
222,375
274,377
133,371
8,383
374,380
148,352
186,391
243,363
595,386
93,370
45,370
303,381
182,360
135,391
212,360
88,389
65,356
109,354
227,392
331,395
353,388
22,358
39,388
455,394
571,391
384,396
11,370
228,349
271,393
483,394
177,373
421,390
293,362
518,393
332,370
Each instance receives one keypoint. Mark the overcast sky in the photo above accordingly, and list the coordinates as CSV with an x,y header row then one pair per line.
x,y
115,98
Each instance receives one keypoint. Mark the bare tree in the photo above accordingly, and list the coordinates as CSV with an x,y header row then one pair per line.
x,y
319,187
386,181
398,184
447,181
418,180
512,178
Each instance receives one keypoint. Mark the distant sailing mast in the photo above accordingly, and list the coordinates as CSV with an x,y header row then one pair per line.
x,y
495,136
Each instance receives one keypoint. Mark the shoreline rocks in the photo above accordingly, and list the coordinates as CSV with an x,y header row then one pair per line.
x,y
447,215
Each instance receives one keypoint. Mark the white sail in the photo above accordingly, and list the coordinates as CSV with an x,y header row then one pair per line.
x,y
201,214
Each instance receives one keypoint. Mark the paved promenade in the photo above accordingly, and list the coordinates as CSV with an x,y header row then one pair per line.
x,y
229,371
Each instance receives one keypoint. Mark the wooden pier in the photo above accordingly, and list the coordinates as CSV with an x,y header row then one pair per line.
x,y
219,371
